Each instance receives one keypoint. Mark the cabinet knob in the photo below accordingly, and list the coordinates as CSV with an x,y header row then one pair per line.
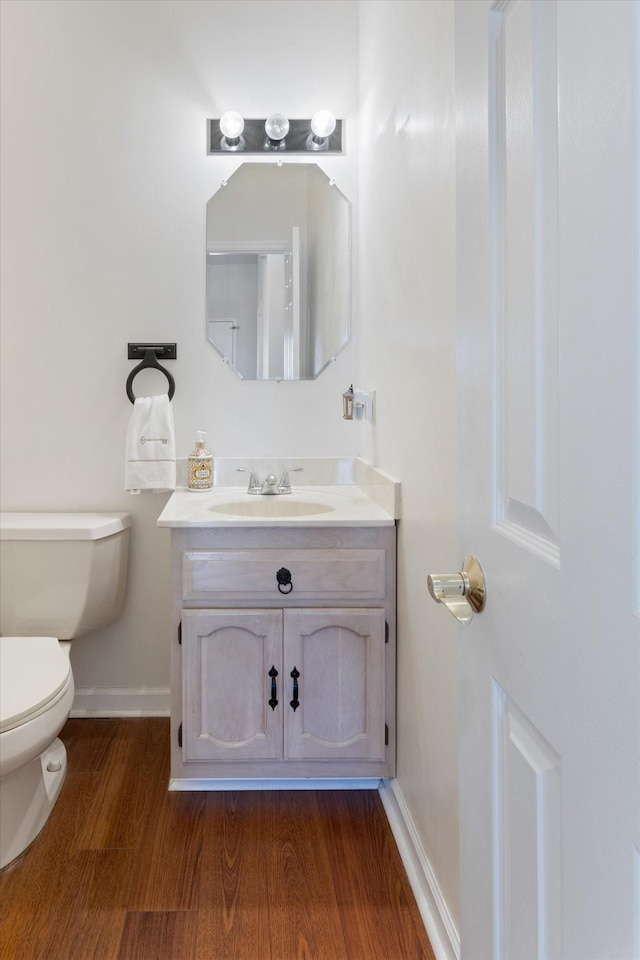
x,y
283,576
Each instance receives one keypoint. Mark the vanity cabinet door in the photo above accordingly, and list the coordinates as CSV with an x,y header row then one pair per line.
x,y
339,656
226,685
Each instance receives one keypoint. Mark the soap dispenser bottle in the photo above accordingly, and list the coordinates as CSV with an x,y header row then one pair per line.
x,y
200,465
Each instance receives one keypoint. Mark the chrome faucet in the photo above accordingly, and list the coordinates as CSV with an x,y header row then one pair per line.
x,y
285,486
270,485
254,483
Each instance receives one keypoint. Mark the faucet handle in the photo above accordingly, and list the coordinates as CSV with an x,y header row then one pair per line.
x,y
254,483
285,486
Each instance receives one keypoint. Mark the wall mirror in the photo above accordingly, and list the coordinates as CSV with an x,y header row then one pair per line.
x,y
278,271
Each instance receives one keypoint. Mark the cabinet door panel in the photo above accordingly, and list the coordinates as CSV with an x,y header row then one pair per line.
x,y
227,655
340,657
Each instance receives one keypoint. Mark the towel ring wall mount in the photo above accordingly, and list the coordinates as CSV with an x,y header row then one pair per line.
x,y
148,354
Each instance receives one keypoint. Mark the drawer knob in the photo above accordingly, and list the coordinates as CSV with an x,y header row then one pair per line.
x,y
283,576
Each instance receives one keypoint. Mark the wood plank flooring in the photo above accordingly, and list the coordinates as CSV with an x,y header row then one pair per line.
x,y
125,870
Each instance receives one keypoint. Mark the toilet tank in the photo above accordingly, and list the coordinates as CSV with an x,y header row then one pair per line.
x,y
61,574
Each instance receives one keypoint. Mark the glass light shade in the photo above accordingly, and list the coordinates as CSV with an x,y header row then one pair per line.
x,y
323,123
276,127
231,124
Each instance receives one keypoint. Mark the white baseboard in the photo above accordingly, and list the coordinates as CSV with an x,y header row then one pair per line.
x,y
297,783
441,930
121,702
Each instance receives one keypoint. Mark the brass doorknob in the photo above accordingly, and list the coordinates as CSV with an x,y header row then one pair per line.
x,y
462,593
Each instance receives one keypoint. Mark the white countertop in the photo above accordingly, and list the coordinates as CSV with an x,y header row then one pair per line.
x,y
343,505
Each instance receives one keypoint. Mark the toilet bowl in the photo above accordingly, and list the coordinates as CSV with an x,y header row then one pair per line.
x,y
36,694
61,575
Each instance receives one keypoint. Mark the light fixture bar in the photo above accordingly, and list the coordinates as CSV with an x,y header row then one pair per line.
x,y
255,140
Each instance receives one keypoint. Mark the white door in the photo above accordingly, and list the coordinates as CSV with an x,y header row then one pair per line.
x,y
549,466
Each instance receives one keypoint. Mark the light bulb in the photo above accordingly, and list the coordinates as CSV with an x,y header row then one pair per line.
x,y
323,123
276,127
231,124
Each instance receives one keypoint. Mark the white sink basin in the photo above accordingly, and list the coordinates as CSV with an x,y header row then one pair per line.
x,y
271,507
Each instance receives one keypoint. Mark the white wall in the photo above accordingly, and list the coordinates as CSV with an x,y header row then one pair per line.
x,y
407,302
105,182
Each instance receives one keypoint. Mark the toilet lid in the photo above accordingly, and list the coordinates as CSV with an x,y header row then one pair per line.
x,y
33,671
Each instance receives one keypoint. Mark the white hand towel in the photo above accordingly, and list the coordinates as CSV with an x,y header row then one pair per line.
x,y
150,460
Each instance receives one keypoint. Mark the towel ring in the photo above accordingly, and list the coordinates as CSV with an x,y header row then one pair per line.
x,y
150,360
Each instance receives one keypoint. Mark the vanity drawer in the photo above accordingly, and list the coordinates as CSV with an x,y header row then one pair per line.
x,y
230,575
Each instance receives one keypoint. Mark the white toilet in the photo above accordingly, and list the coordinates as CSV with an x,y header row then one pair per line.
x,y
61,575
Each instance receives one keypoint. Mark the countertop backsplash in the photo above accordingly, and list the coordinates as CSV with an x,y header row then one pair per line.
x,y
382,488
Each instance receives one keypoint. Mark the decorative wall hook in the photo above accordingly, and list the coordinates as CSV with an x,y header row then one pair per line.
x,y
358,404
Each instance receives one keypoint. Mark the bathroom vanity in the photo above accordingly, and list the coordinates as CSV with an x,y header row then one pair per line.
x,y
283,632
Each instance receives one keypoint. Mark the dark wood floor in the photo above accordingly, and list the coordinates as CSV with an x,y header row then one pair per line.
x,y
124,869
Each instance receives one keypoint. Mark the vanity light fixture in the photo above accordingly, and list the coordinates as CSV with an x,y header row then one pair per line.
x,y
276,128
323,123
231,126
232,132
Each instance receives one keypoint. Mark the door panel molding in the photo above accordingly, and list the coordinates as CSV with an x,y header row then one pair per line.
x,y
526,836
523,119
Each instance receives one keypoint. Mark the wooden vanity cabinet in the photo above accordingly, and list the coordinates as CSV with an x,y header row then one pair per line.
x,y
283,653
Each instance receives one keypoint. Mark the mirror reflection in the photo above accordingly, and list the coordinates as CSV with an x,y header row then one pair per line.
x,y
278,271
